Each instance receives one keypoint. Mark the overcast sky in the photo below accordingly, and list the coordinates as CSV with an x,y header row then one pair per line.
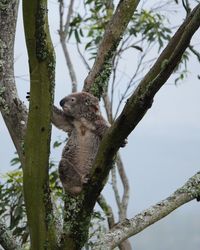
x,y
162,152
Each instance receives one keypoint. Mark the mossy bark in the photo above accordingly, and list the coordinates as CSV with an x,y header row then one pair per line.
x,y
97,80
37,140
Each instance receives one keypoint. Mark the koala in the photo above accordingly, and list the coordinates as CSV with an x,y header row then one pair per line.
x,y
80,117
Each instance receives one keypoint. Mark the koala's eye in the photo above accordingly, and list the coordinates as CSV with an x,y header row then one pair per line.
x,y
72,99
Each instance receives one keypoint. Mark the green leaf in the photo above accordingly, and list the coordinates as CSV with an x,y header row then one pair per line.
x,y
56,144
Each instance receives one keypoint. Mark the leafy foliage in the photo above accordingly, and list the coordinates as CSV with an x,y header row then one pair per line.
x,y
90,26
12,207
151,26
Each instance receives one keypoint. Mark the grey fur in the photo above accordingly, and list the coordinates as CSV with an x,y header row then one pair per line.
x,y
82,120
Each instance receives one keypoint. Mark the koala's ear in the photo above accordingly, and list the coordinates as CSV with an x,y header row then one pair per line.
x,y
95,107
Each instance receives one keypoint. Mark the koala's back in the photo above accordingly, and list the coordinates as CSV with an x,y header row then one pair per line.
x,y
77,157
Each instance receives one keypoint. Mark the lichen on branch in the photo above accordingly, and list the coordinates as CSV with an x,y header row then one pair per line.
x,y
97,80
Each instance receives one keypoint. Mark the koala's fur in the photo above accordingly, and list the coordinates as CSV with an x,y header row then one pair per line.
x,y
82,120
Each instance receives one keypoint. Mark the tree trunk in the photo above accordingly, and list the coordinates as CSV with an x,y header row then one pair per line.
x,y
13,110
41,220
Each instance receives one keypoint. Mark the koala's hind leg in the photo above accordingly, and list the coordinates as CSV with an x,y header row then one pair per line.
x,y
70,178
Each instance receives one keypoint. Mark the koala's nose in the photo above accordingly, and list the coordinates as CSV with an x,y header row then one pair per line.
x,y
62,102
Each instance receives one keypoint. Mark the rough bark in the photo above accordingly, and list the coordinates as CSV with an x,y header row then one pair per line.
x,y
97,80
13,110
40,216
189,191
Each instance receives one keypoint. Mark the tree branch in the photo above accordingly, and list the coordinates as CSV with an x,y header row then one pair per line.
x,y
115,188
186,6
195,52
98,77
87,66
13,110
124,179
122,204
7,240
107,210
128,228
70,12
138,104
63,34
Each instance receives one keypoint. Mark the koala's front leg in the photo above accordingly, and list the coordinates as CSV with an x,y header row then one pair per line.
x,y
60,120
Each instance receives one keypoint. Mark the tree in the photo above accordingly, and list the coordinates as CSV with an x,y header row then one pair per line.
x,y
34,129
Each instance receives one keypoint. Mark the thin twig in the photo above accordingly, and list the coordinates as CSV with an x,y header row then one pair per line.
x,y
114,186
83,58
194,51
108,107
186,6
124,179
70,12
107,210
129,84
63,31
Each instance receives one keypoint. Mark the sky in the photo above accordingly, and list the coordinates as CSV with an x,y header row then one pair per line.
x,y
162,152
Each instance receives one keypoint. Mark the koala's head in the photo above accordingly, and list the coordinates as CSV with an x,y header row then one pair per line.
x,y
80,104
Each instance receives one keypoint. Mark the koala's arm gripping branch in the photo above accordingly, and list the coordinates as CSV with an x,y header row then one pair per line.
x,y
60,120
